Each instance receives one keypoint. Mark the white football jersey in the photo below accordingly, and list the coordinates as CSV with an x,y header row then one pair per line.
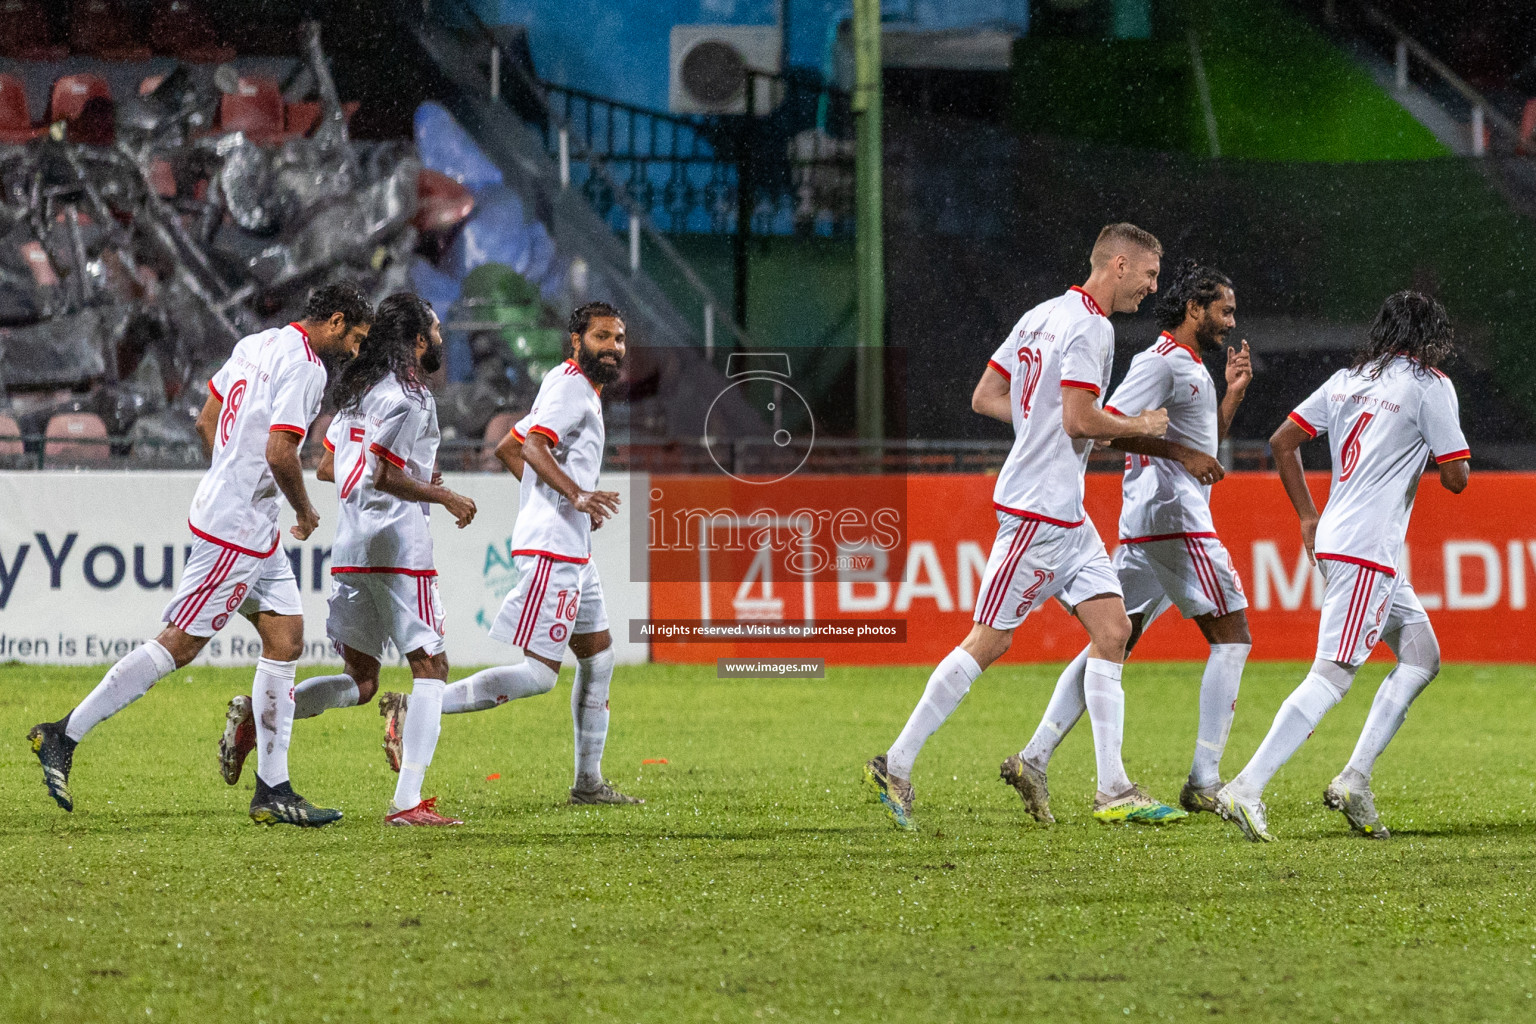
x,y
1379,434
1066,342
568,411
1162,501
375,531
272,381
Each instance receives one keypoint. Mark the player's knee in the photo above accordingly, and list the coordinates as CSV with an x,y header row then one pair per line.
x,y
366,688
182,647
1114,634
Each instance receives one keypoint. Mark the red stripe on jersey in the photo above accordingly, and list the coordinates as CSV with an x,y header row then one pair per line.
x,y
1113,410
1163,536
535,552
1352,560
308,352
214,391
1083,384
1453,456
534,605
354,476
1203,564
1303,424
1093,307
1000,368
999,589
325,443
372,569
554,438
1359,601
386,455
210,538
289,428
189,606
520,437
1034,515
1167,347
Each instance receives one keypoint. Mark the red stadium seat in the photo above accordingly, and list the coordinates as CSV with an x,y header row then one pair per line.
x,y
150,84
76,438
181,29
10,438
72,92
255,108
1527,127
300,118
104,28
15,121
441,202
25,32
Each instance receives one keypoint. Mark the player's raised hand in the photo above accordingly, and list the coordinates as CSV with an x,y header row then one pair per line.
x,y
1239,368
308,520
1152,423
461,508
600,505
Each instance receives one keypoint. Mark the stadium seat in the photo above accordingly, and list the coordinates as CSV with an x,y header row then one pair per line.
x,y
15,122
181,29
76,438
104,28
150,84
1527,127
441,203
255,108
495,430
11,447
72,92
25,32
300,118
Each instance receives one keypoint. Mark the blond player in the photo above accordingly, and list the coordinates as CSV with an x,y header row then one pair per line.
x,y
381,452
558,601
1047,380
260,405
1384,417
1169,553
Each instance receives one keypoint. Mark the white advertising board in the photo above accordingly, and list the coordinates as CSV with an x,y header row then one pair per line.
x,y
89,560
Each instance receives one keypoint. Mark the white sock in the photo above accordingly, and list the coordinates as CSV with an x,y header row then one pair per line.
x,y
423,722
1105,701
1218,702
320,693
492,686
1323,688
124,683
1061,714
948,685
589,716
272,706
1418,662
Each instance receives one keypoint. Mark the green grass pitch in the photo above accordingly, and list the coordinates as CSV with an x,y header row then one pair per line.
x,y
759,882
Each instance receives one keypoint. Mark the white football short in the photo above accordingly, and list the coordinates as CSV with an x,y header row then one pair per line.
x,y
221,581
1361,603
368,608
1192,573
1033,560
552,602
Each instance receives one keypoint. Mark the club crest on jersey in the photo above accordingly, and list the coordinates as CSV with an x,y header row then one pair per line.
x,y
220,620
558,632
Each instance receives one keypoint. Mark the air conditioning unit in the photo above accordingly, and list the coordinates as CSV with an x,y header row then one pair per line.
x,y
711,66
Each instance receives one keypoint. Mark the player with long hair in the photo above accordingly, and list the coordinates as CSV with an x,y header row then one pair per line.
x,y
1385,415
381,452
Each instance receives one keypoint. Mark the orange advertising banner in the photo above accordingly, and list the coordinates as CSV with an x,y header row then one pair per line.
x,y
1471,558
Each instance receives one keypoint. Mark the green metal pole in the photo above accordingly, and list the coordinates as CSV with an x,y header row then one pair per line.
x,y
868,237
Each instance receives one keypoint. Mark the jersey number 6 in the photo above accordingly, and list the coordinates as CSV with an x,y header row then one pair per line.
x,y
1349,458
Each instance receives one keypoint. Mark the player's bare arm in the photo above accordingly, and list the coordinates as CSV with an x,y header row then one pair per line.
x,y
600,505
1082,418
288,471
326,471
509,452
1455,474
391,479
1200,465
991,396
208,423
1239,376
1286,444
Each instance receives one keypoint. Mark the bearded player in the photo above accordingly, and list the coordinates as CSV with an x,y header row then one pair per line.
x,y
558,600
1169,553
1384,416
1047,380
383,579
260,405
